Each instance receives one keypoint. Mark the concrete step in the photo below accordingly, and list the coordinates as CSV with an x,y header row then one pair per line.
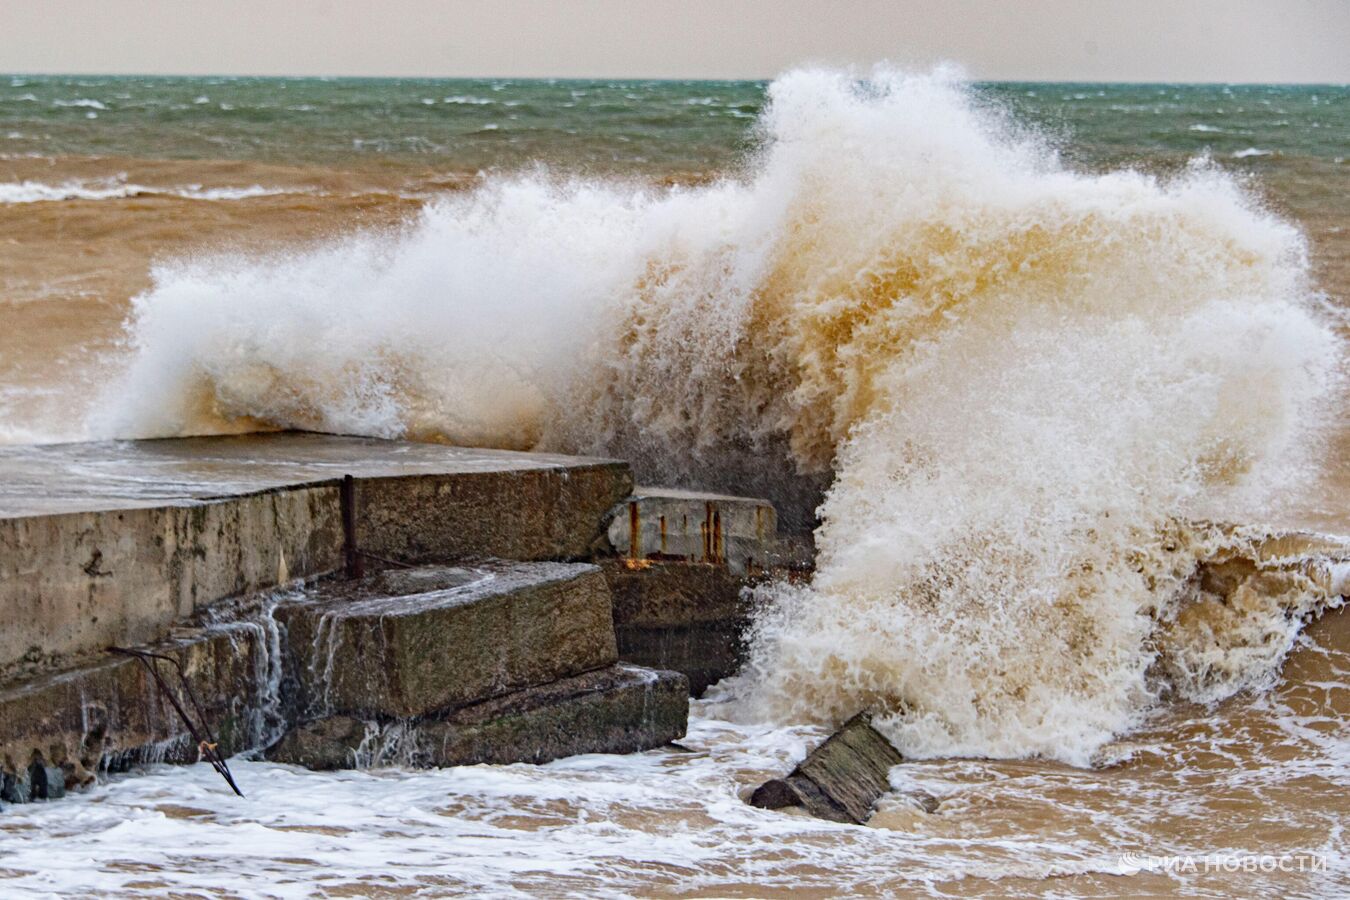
x,y
410,642
114,543
619,709
109,714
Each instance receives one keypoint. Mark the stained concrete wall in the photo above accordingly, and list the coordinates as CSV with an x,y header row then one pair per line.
x,y
84,719
666,523
79,582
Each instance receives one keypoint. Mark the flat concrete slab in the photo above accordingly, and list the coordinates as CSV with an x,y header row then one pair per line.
x,y
116,475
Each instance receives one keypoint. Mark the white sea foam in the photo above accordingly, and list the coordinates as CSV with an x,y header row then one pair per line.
x,y
583,826
673,820
117,189
1023,381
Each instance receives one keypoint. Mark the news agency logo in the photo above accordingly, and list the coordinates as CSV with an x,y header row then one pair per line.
x,y
1232,863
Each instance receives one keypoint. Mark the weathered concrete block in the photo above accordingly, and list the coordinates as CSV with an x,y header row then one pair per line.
x,y
686,617
406,643
541,513
75,583
333,742
114,543
673,594
620,709
841,779
665,523
109,713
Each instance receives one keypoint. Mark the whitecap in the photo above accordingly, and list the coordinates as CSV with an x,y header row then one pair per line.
x,y
91,104
119,189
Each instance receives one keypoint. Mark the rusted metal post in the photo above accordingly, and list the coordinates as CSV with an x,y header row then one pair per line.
x,y
354,566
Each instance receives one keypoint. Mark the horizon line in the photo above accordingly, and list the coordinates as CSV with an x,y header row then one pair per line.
x,y
638,78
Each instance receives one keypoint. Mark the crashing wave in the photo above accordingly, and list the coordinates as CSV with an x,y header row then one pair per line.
x,y
1016,379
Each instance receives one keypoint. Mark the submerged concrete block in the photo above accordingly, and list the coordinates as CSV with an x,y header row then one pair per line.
x,y
109,714
665,523
620,709
841,780
409,642
333,742
686,617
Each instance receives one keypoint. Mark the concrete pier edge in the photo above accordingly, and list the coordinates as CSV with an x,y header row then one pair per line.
x,y
177,544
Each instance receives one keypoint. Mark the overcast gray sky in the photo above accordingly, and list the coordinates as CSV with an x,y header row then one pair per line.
x,y
1147,40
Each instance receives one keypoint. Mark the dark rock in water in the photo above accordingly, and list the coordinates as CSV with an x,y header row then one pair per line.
x,y
620,709
14,787
840,780
409,643
925,801
686,617
46,782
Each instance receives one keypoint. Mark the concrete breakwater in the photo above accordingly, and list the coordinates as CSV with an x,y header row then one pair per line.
x,y
504,615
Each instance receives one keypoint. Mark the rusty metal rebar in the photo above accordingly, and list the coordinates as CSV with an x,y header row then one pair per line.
x,y
353,564
208,745
353,556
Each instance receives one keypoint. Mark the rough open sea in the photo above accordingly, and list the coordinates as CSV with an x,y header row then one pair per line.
x,y
1056,373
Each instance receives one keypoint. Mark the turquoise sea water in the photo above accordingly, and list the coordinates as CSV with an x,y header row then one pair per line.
x,y
644,126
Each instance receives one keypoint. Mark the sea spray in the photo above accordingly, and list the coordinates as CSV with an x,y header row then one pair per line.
x,y
1025,384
